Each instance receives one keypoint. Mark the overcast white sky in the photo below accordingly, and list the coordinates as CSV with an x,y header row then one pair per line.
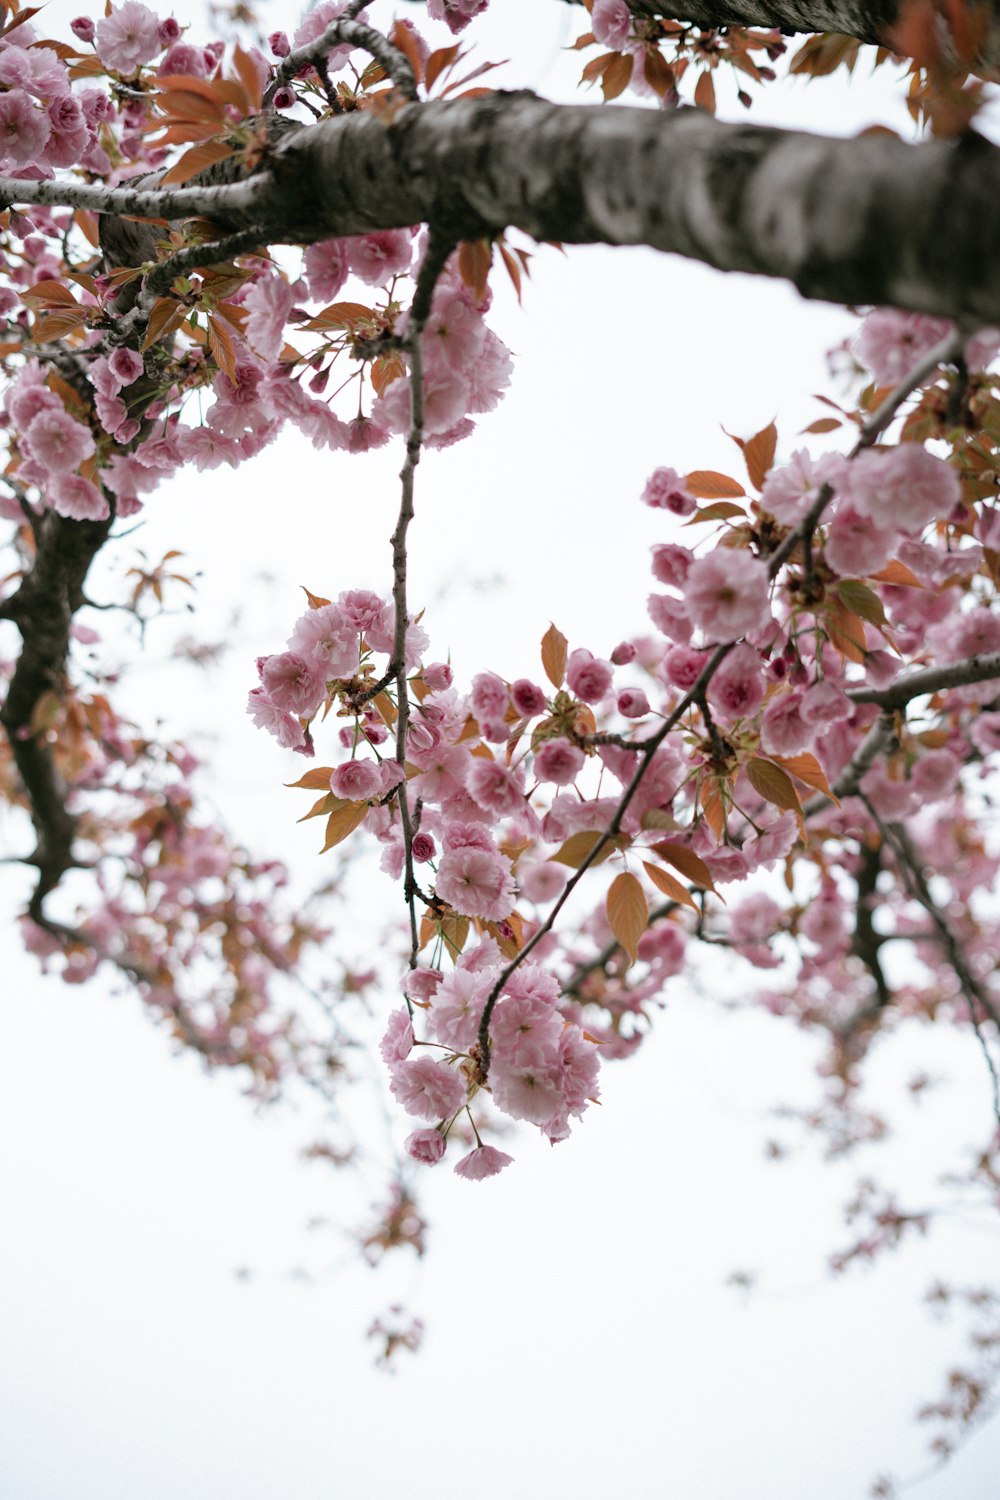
x,y
581,1340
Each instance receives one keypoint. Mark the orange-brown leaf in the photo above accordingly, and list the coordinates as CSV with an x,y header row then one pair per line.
x,y
627,912
704,93
773,784
343,822
577,847
669,885
758,454
166,315
444,57
685,860
316,601
196,160
706,484
315,779
402,37
554,652
475,257
615,78
805,767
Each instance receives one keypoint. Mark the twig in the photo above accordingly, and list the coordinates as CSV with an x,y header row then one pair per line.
x,y
930,680
438,250
346,29
162,276
801,534
898,840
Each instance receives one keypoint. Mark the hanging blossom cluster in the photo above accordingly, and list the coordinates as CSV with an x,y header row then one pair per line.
x,y
264,344
690,759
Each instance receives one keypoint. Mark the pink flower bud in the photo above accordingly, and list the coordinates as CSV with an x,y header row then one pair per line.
x,y
283,99
83,28
279,43
633,703
424,848
528,699
426,1146
623,653
438,676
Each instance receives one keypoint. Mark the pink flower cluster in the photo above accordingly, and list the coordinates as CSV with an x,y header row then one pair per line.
x,y
543,1069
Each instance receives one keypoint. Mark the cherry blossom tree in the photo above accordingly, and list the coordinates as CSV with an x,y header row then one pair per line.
x,y
205,243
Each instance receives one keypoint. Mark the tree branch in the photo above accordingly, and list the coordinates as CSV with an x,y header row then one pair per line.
x,y
870,220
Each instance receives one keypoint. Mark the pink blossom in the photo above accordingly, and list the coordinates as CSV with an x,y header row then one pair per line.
x,y
935,775
489,697
457,14
127,38
75,497
458,1007
682,666
58,442
391,773
427,1146
825,703
558,761
891,343
527,698
326,269
984,733
611,22
423,848
790,491
377,257
495,788
755,919
527,1092
737,688
670,616
477,883
428,1089
855,546
783,730
293,683
484,1161
671,563
420,985
24,130
397,1040
437,675
587,677
903,488
890,799
633,703
70,132
525,1031
324,637
126,365
665,491
663,945
269,302
267,715
356,781
542,882
727,594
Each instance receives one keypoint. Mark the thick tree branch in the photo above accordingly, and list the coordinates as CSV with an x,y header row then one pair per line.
x,y
871,220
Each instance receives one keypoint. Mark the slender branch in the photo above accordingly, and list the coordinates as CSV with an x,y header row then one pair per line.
x,y
163,275
346,29
438,250
898,840
583,971
930,680
800,535
224,202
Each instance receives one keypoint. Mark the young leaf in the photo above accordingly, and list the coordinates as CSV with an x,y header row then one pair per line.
x,y
343,822
554,650
627,912
316,779
706,484
576,848
685,860
669,885
773,784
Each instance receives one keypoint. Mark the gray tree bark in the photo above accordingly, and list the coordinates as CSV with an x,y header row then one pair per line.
x,y
869,220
